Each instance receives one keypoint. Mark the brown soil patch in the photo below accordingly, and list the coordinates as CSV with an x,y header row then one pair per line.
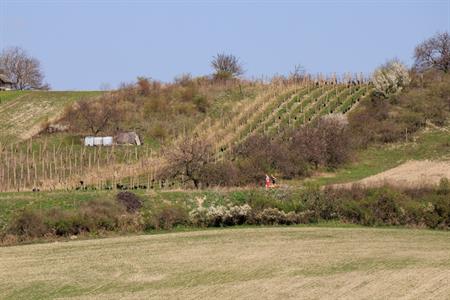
x,y
410,174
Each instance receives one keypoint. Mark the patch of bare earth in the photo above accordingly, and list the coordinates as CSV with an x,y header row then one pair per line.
x,y
410,174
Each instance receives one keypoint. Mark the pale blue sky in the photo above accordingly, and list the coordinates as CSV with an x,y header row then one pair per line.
x,y
83,44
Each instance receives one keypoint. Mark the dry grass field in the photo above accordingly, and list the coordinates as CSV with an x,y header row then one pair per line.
x,y
411,173
245,263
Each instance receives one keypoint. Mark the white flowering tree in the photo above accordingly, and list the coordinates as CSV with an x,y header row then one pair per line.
x,y
391,77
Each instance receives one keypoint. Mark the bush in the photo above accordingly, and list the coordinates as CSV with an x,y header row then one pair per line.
x,y
354,212
423,207
272,216
385,208
61,223
326,143
444,186
91,217
99,215
322,204
28,224
166,217
220,174
130,201
391,77
218,216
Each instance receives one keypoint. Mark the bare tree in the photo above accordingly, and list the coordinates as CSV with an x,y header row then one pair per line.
x,y
434,53
298,74
93,116
188,160
325,142
24,71
226,66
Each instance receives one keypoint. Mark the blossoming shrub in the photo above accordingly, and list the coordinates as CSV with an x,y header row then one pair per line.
x,y
215,216
219,216
391,77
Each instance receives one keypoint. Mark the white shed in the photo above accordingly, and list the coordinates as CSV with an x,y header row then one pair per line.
x,y
91,141
98,141
107,141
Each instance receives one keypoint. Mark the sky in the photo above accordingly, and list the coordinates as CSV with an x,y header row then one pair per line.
x,y
86,45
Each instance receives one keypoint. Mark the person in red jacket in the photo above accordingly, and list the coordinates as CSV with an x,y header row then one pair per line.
x,y
268,181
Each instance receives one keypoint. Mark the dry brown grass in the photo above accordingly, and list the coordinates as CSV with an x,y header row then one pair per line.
x,y
410,174
22,117
263,263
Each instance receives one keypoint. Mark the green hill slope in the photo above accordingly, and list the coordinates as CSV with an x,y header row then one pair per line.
x,y
22,112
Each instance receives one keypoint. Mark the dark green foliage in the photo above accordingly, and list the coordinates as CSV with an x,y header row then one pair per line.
x,y
385,208
444,186
354,212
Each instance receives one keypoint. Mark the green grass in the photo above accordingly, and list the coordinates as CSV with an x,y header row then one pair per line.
x,y
243,263
6,96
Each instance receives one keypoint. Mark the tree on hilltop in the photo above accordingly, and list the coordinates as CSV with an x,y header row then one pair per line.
x,y
434,53
23,70
226,66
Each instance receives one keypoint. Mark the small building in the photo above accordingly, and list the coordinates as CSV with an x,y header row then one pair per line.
x,y
5,83
127,138
92,141
123,138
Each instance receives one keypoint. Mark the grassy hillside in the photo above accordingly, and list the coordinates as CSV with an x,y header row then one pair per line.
x,y
225,114
60,161
22,112
295,262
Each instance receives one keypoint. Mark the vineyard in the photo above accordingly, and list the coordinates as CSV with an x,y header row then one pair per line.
x,y
29,165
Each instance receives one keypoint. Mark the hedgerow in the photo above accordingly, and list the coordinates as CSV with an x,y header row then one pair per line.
x,y
412,207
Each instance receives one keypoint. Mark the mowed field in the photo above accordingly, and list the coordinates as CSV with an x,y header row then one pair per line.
x,y
23,112
245,263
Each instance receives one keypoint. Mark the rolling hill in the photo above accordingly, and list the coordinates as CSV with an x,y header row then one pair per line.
x,y
23,112
47,166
